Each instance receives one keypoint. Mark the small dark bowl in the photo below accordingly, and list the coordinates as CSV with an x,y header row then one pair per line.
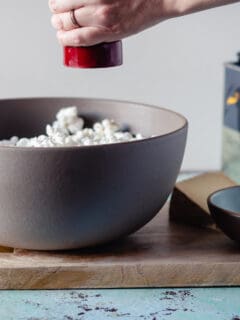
x,y
224,206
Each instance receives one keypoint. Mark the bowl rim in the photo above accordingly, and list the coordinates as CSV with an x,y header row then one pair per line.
x,y
102,146
229,212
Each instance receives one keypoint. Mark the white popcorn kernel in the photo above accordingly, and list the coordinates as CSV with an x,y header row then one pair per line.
x,y
49,130
42,138
110,125
68,131
79,135
139,136
5,143
66,114
68,141
24,142
98,127
86,142
14,140
58,139
76,126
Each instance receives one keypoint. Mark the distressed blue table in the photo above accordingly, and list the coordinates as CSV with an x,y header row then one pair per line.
x,y
129,304
152,304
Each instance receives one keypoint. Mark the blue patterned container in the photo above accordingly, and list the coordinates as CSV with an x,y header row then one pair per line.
x,y
231,129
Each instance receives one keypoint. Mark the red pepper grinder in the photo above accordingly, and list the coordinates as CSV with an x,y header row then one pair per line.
x,y
102,55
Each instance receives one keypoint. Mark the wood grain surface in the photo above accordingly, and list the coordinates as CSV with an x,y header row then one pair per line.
x,y
162,254
189,198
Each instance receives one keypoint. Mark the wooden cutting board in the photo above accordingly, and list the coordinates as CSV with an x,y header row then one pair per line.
x,y
162,254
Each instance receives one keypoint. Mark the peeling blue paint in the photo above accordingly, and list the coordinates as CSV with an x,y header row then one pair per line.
x,y
131,304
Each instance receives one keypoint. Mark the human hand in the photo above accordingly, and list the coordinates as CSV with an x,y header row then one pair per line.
x,y
110,20
106,20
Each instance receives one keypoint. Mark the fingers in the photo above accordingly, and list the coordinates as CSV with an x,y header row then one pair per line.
x,y
85,17
83,37
95,19
60,6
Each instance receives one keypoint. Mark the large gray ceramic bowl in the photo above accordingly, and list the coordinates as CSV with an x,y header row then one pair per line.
x,y
73,197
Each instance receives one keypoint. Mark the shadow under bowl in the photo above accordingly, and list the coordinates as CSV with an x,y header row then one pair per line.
x,y
74,197
224,206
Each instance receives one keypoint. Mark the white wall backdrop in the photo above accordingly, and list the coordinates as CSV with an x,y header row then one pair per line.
x,y
178,64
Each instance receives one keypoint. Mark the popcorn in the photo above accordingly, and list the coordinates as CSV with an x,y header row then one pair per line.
x,y
24,142
68,131
76,126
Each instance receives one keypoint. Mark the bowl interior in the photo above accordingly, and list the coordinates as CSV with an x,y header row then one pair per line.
x,y
227,199
28,117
